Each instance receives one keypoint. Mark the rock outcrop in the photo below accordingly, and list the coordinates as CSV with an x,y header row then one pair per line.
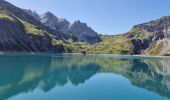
x,y
84,33
50,20
154,34
63,25
55,23
33,14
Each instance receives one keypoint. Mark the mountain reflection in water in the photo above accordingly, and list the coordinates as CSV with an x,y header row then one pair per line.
x,y
25,73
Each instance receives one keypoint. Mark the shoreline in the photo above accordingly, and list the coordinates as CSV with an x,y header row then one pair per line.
x,y
120,56
128,56
99,55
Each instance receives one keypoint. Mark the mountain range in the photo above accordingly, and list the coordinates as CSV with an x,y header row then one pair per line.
x,y
23,30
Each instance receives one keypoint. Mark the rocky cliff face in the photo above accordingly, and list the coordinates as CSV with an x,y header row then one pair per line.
x,y
77,29
55,23
32,13
84,33
152,37
49,20
63,25
156,29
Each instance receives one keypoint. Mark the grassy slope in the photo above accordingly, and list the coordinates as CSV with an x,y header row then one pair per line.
x,y
29,28
109,45
160,47
112,45
137,34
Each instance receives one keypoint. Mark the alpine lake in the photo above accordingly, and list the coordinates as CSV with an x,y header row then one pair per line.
x,y
26,76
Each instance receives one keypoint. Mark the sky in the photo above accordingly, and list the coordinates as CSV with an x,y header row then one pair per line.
x,y
104,16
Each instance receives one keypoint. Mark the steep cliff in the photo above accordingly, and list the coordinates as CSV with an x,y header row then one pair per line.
x,y
151,38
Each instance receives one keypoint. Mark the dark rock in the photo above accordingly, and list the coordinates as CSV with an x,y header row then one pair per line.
x,y
140,45
83,52
57,49
32,13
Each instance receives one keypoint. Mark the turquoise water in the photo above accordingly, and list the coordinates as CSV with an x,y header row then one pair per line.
x,y
77,77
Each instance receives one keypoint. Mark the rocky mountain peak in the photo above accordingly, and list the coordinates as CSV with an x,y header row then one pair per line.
x,y
55,23
63,25
48,14
33,14
84,32
50,20
77,27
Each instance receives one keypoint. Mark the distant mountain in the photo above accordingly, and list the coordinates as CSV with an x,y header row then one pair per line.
x,y
63,25
54,22
78,29
84,33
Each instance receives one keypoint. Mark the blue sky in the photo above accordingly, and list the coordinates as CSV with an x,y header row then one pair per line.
x,y
104,16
